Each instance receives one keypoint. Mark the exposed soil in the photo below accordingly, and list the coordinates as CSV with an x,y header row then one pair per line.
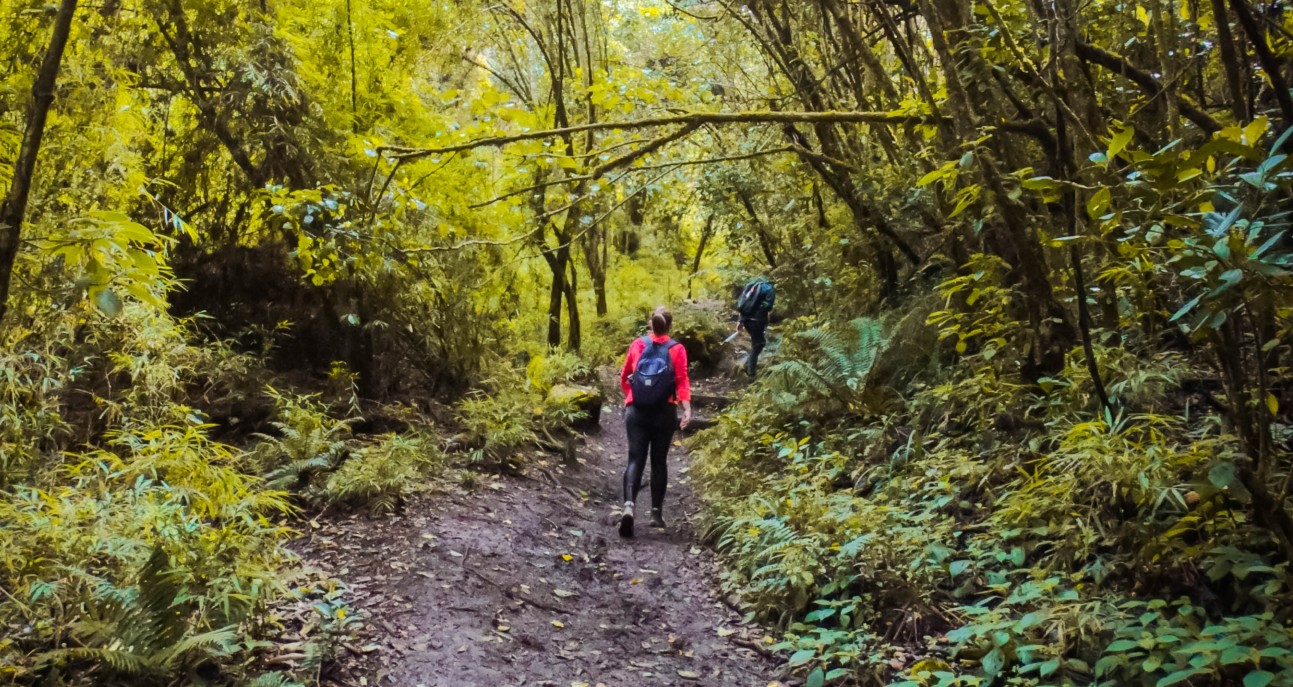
x,y
525,581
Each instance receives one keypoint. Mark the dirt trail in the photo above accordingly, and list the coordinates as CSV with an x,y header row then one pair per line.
x,y
525,582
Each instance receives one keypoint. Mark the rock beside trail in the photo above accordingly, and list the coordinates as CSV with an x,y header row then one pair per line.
x,y
702,328
588,399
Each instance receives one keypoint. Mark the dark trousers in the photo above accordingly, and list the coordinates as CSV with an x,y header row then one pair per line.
x,y
650,433
758,328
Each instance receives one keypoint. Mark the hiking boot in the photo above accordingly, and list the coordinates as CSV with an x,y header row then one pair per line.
x,y
626,520
657,519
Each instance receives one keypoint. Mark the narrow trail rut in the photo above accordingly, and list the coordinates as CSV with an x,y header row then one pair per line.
x,y
524,581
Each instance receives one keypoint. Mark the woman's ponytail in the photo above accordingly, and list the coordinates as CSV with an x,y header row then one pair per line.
x,y
661,321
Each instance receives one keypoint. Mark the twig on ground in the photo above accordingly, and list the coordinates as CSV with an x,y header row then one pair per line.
x,y
756,647
568,508
556,482
507,591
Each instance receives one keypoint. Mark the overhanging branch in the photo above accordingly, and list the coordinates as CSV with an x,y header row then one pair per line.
x,y
692,119
1151,86
643,168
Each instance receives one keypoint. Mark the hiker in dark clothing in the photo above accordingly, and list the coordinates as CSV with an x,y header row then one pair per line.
x,y
755,302
655,383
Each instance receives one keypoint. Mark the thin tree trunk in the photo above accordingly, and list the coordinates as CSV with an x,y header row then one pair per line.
x,y
574,335
1016,240
14,211
354,79
554,297
700,253
1270,63
760,231
1230,60
1084,325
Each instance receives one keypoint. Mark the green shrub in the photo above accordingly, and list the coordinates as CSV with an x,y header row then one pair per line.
x,y
1011,533
308,443
556,367
153,557
499,425
378,475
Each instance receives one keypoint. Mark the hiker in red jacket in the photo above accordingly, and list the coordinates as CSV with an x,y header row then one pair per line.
x,y
655,383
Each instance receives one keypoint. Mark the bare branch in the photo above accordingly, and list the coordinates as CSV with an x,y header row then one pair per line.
x,y
1151,86
690,118
646,168
651,147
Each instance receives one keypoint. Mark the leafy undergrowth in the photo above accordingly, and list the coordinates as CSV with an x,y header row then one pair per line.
x,y
138,548
911,515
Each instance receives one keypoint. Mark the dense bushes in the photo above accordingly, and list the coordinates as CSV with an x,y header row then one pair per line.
x,y
136,547
967,526
153,554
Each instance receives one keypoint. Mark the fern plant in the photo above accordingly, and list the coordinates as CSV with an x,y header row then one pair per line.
x,y
308,442
501,424
274,679
145,631
378,476
829,367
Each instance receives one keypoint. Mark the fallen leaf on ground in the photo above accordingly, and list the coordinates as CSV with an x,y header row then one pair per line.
x,y
563,593
724,632
688,675
558,624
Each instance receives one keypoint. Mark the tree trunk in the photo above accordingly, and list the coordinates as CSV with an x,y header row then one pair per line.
x,y
555,295
1270,63
574,337
14,211
1230,61
595,259
1015,239
760,231
700,253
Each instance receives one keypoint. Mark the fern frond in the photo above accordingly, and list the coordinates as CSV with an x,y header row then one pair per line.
x,y
157,621
212,642
116,660
272,680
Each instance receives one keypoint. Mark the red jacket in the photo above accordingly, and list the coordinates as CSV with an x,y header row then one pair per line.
x,y
678,356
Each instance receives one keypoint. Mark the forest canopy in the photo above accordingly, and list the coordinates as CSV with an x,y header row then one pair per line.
x,y
1025,418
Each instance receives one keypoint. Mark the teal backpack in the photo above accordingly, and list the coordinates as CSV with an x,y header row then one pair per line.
x,y
752,296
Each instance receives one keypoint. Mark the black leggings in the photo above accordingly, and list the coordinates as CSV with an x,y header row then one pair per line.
x,y
650,431
757,327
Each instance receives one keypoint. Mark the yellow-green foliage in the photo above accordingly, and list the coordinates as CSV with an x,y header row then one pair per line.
x,y
148,556
998,514
555,367
379,474
157,551
506,417
307,442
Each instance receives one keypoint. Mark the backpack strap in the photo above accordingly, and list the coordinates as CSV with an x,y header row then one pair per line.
x,y
647,343
668,345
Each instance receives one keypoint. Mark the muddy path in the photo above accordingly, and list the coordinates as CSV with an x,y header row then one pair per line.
x,y
525,581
